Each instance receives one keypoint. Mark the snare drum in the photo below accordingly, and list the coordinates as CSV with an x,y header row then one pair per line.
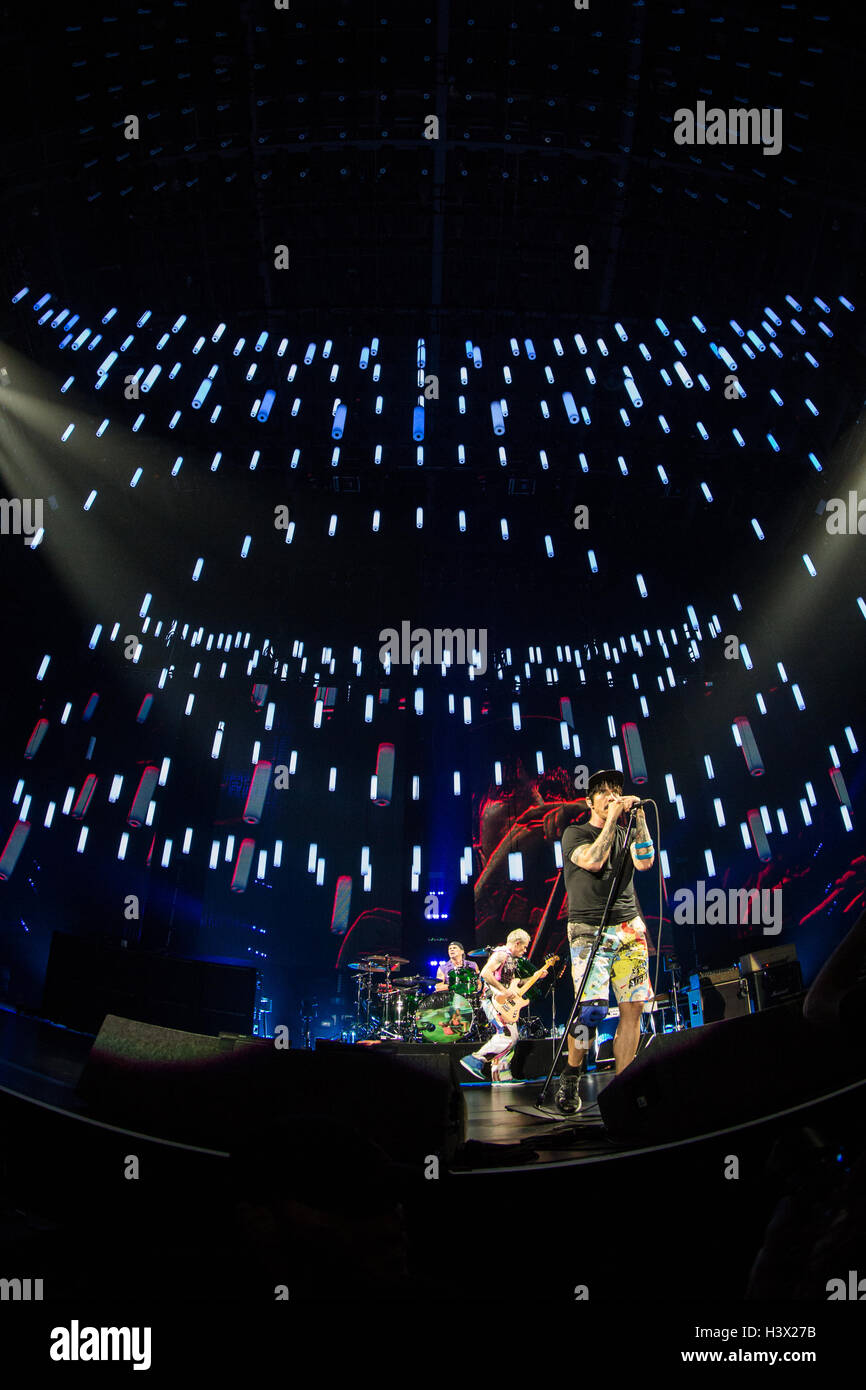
x,y
443,1018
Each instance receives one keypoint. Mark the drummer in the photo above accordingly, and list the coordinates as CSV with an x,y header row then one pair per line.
x,y
456,961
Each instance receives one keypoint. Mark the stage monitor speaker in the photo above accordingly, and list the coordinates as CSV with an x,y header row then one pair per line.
x,y
217,1091
85,980
704,1079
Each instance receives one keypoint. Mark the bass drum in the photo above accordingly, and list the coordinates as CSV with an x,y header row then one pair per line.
x,y
443,1017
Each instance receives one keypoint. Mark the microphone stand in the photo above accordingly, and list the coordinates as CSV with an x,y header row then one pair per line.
x,y
619,872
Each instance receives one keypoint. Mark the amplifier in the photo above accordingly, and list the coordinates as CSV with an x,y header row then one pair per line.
x,y
767,955
777,983
717,994
728,976
724,998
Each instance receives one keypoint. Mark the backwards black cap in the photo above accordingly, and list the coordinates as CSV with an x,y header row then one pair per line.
x,y
607,777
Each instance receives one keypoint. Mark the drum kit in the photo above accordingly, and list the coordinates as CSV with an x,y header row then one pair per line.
x,y
390,1007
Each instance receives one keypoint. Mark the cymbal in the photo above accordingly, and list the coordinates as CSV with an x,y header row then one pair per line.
x,y
367,969
482,951
393,960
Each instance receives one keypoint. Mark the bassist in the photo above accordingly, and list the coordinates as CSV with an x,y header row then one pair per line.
x,y
497,976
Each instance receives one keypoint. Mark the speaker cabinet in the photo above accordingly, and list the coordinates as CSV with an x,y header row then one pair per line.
x,y
85,980
215,1091
704,1079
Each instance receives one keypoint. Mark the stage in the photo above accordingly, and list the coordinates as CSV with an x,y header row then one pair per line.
x,y
42,1063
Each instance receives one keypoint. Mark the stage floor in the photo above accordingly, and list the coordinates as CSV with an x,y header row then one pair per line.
x,y
496,1115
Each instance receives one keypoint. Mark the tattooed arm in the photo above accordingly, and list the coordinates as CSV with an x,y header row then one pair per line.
x,y
643,836
594,855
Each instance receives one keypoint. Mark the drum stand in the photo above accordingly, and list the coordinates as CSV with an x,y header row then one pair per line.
x,y
679,1025
362,1009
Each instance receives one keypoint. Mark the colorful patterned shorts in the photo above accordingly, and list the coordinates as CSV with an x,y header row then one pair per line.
x,y
621,962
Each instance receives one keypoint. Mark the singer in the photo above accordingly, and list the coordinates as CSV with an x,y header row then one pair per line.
x,y
589,854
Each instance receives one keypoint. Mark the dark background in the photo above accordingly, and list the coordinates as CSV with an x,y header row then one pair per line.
x,y
305,129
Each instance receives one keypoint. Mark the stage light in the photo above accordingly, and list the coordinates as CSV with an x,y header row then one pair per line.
x,y
720,814
243,866
681,810
633,393
515,867
593,563
198,399
756,527
258,791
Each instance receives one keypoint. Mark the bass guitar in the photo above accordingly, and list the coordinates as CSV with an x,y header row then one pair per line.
x,y
507,1010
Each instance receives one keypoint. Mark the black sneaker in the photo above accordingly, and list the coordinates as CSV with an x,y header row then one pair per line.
x,y
568,1100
